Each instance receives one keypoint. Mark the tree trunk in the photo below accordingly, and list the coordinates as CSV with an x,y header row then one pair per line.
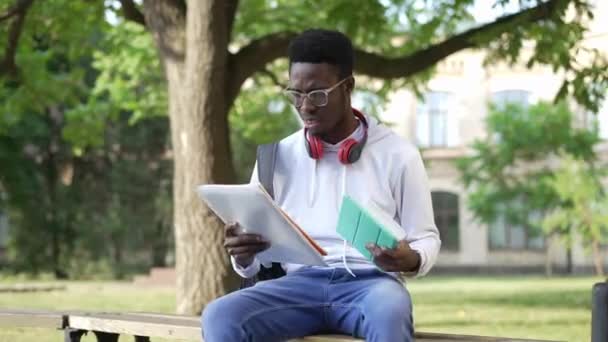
x,y
195,61
597,258
569,264
549,256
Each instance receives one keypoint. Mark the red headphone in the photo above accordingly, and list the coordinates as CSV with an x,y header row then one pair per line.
x,y
350,149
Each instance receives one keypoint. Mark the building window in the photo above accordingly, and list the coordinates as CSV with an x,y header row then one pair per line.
x,y
445,208
506,236
598,120
432,120
602,121
501,98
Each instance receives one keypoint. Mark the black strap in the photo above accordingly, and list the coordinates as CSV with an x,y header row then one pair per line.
x,y
266,161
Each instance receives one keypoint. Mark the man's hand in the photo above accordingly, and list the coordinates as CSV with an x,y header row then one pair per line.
x,y
243,247
399,259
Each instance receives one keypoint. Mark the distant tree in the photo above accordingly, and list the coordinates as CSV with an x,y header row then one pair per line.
x,y
584,207
105,204
507,172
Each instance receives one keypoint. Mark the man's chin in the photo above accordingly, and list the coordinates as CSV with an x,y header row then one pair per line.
x,y
316,131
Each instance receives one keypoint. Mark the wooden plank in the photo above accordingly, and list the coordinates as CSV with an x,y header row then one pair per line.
x,y
172,326
327,338
133,325
186,318
436,337
159,325
31,288
180,320
419,336
31,318
188,327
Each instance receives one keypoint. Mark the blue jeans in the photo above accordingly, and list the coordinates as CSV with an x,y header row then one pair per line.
x,y
374,306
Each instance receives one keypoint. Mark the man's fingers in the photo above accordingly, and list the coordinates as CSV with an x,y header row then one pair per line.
x,y
383,258
247,250
379,251
404,245
387,267
231,229
386,262
244,239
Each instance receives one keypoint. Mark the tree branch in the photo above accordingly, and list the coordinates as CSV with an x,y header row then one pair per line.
x,y
273,78
253,58
166,20
7,65
258,53
131,12
386,68
19,7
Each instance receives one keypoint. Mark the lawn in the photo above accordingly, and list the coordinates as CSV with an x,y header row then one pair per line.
x,y
555,308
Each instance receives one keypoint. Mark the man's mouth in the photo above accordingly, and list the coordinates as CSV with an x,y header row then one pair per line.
x,y
311,123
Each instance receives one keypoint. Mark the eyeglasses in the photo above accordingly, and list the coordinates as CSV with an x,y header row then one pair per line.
x,y
317,98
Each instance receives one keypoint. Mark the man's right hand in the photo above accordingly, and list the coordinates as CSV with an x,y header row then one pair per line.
x,y
241,246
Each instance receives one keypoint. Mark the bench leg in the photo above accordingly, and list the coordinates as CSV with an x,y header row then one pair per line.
x,y
106,337
142,339
73,335
599,313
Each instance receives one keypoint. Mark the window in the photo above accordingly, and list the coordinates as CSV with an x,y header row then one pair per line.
x,y
434,127
602,121
501,98
445,208
597,120
506,236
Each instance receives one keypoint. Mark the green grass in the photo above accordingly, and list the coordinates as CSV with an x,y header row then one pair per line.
x,y
525,307
557,308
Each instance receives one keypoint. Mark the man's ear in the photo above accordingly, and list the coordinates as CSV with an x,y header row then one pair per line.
x,y
350,85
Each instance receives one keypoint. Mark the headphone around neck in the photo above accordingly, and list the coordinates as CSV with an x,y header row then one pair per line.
x,y
350,149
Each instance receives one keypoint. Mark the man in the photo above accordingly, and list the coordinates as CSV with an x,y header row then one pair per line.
x,y
339,152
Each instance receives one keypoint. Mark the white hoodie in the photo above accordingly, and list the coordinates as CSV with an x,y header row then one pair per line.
x,y
389,172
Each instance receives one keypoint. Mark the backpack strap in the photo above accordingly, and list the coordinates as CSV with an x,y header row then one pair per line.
x,y
266,160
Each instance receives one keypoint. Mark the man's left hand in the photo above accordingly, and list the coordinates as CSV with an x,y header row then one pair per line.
x,y
399,259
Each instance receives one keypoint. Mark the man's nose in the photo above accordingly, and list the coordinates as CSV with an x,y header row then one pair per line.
x,y
307,107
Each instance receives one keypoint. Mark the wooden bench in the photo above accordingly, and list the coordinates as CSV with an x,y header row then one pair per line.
x,y
107,327
31,288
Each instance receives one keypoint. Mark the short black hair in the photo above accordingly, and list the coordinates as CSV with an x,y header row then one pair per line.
x,y
323,46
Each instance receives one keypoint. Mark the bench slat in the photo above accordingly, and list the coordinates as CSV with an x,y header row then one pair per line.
x,y
31,288
31,318
131,326
439,337
326,338
172,326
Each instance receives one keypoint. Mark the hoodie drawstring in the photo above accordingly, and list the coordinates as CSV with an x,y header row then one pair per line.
x,y
340,201
313,184
311,199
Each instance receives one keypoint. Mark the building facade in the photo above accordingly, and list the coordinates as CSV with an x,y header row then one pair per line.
x,y
447,119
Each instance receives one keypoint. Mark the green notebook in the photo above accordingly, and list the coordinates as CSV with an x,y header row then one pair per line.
x,y
361,225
